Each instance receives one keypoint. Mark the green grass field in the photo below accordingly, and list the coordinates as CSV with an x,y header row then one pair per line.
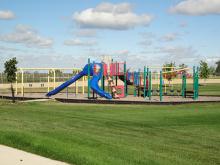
x,y
114,134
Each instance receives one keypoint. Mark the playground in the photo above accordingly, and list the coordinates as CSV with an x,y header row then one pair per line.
x,y
111,82
87,132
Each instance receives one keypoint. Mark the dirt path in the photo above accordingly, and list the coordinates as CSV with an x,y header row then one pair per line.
x,y
11,156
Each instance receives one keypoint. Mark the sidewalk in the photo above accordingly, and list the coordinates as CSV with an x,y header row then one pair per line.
x,y
11,156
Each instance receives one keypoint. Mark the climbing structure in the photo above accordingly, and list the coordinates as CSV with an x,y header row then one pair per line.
x,y
113,87
115,80
111,73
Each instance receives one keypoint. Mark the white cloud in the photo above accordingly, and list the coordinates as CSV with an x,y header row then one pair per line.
x,y
44,58
212,60
147,35
111,16
118,8
85,33
28,36
146,43
7,14
183,24
98,54
179,51
78,42
9,49
122,52
147,38
180,54
169,37
197,7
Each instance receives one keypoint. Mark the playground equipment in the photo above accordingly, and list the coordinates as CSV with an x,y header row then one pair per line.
x,y
110,80
147,83
141,81
195,91
36,80
99,71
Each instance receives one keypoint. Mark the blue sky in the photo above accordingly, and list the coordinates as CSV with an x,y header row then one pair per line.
x,y
65,33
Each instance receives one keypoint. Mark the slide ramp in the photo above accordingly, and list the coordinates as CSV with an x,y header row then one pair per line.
x,y
93,82
66,84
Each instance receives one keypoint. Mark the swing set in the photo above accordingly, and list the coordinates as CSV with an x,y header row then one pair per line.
x,y
164,82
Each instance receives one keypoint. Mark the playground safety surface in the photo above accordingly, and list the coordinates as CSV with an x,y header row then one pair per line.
x,y
80,98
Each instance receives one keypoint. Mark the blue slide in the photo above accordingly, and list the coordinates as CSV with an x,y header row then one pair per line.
x,y
93,82
95,87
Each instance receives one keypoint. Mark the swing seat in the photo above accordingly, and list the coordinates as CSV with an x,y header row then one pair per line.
x,y
178,92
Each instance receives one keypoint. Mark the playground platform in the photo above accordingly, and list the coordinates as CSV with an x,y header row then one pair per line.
x,y
130,99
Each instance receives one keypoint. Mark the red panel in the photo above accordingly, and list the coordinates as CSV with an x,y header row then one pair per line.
x,y
116,69
122,93
105,69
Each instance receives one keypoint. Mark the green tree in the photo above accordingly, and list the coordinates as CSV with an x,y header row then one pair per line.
x,y
10,71
58,73
75,72
212,70
182,66
217,70
203,70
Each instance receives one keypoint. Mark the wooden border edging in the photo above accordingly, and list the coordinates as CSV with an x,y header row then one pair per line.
x,y
129,102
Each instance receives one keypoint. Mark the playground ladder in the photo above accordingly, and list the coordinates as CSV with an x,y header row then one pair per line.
x,y
112,86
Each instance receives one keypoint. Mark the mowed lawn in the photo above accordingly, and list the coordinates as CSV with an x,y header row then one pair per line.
x,y
210,89
114,134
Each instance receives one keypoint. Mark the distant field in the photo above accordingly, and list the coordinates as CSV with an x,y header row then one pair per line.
x,y
210,89
114,134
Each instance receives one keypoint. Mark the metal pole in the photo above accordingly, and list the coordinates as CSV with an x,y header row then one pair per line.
x,y
75,88
161,86
89,78
158,81
102,80
54,78
134,82
144,81
67,92
22,82
116,76
149,86
83,85
48,81
76,85
16,85
197,82
183,84
125,81
139,82
147,81
194,82
165,85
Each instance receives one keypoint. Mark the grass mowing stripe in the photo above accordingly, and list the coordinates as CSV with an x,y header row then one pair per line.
x,y
114,134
